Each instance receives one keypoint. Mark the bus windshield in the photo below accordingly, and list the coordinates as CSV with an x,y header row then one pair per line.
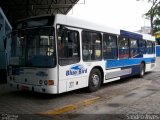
x,y
34,47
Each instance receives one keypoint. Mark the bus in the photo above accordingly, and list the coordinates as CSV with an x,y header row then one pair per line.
x,y
5,44
59,53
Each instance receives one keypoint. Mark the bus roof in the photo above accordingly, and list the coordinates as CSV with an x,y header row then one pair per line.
x,y
71,21
79,23
148,37
130,34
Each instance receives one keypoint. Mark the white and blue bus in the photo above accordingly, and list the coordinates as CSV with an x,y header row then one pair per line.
x,y
56,54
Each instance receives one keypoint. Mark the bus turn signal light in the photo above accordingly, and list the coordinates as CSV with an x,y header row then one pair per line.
x,y
50,82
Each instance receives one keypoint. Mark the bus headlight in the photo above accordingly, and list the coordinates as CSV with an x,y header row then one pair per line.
x,y
40,82
45,82
48,82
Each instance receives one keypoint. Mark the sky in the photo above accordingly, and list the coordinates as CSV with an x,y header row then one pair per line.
x,y
119,14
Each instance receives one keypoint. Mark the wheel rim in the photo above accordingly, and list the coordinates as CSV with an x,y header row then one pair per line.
x,y
142,70
95,80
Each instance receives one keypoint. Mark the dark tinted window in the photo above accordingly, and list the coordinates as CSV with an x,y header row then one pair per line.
x,y
133,48
142,47
35,22
153,44
109,46
123,47
91,46
68,46
149,47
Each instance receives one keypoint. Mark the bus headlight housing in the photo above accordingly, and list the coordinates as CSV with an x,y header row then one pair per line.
x,y
45,82
40,82
50,82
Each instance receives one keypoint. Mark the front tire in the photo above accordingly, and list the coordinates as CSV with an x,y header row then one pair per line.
x,y
142,70
95,79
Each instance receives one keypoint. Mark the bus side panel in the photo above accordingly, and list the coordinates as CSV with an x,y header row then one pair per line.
x,y
127,62
73,77
158,50
127,67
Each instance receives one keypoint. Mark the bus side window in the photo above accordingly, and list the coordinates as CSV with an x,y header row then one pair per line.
x,y
149,47
109,46
123,47
133,48
91,45
142,47
61,41
153,45
68,46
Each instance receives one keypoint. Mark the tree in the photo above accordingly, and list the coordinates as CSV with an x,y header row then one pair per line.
x,y
154,15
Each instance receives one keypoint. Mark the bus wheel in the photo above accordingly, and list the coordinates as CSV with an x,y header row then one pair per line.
x,y
142,70
95,79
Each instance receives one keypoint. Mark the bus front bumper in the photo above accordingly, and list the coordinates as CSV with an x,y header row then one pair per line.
x,y
35,88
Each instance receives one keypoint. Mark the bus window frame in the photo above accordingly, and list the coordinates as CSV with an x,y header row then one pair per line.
x,y
78,44
101,46
145,46
127,46
137,48
117,53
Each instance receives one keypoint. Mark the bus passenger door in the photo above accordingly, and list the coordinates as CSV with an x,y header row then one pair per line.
x,y
70,69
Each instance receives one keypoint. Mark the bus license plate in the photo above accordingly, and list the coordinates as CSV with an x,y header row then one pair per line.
x,y
25,88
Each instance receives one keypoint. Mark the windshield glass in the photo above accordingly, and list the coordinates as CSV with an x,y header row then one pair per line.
x,y
34,48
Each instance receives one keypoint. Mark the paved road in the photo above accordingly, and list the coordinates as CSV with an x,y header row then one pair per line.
x,y
140,103
127,96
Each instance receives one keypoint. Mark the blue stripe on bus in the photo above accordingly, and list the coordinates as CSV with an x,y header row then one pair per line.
x,y
158,50
127,62
130,34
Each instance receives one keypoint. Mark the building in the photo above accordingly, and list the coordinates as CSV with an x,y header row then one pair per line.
x,y
145,30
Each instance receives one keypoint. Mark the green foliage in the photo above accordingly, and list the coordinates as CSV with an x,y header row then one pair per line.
x,y
155,10
156,25
154,15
